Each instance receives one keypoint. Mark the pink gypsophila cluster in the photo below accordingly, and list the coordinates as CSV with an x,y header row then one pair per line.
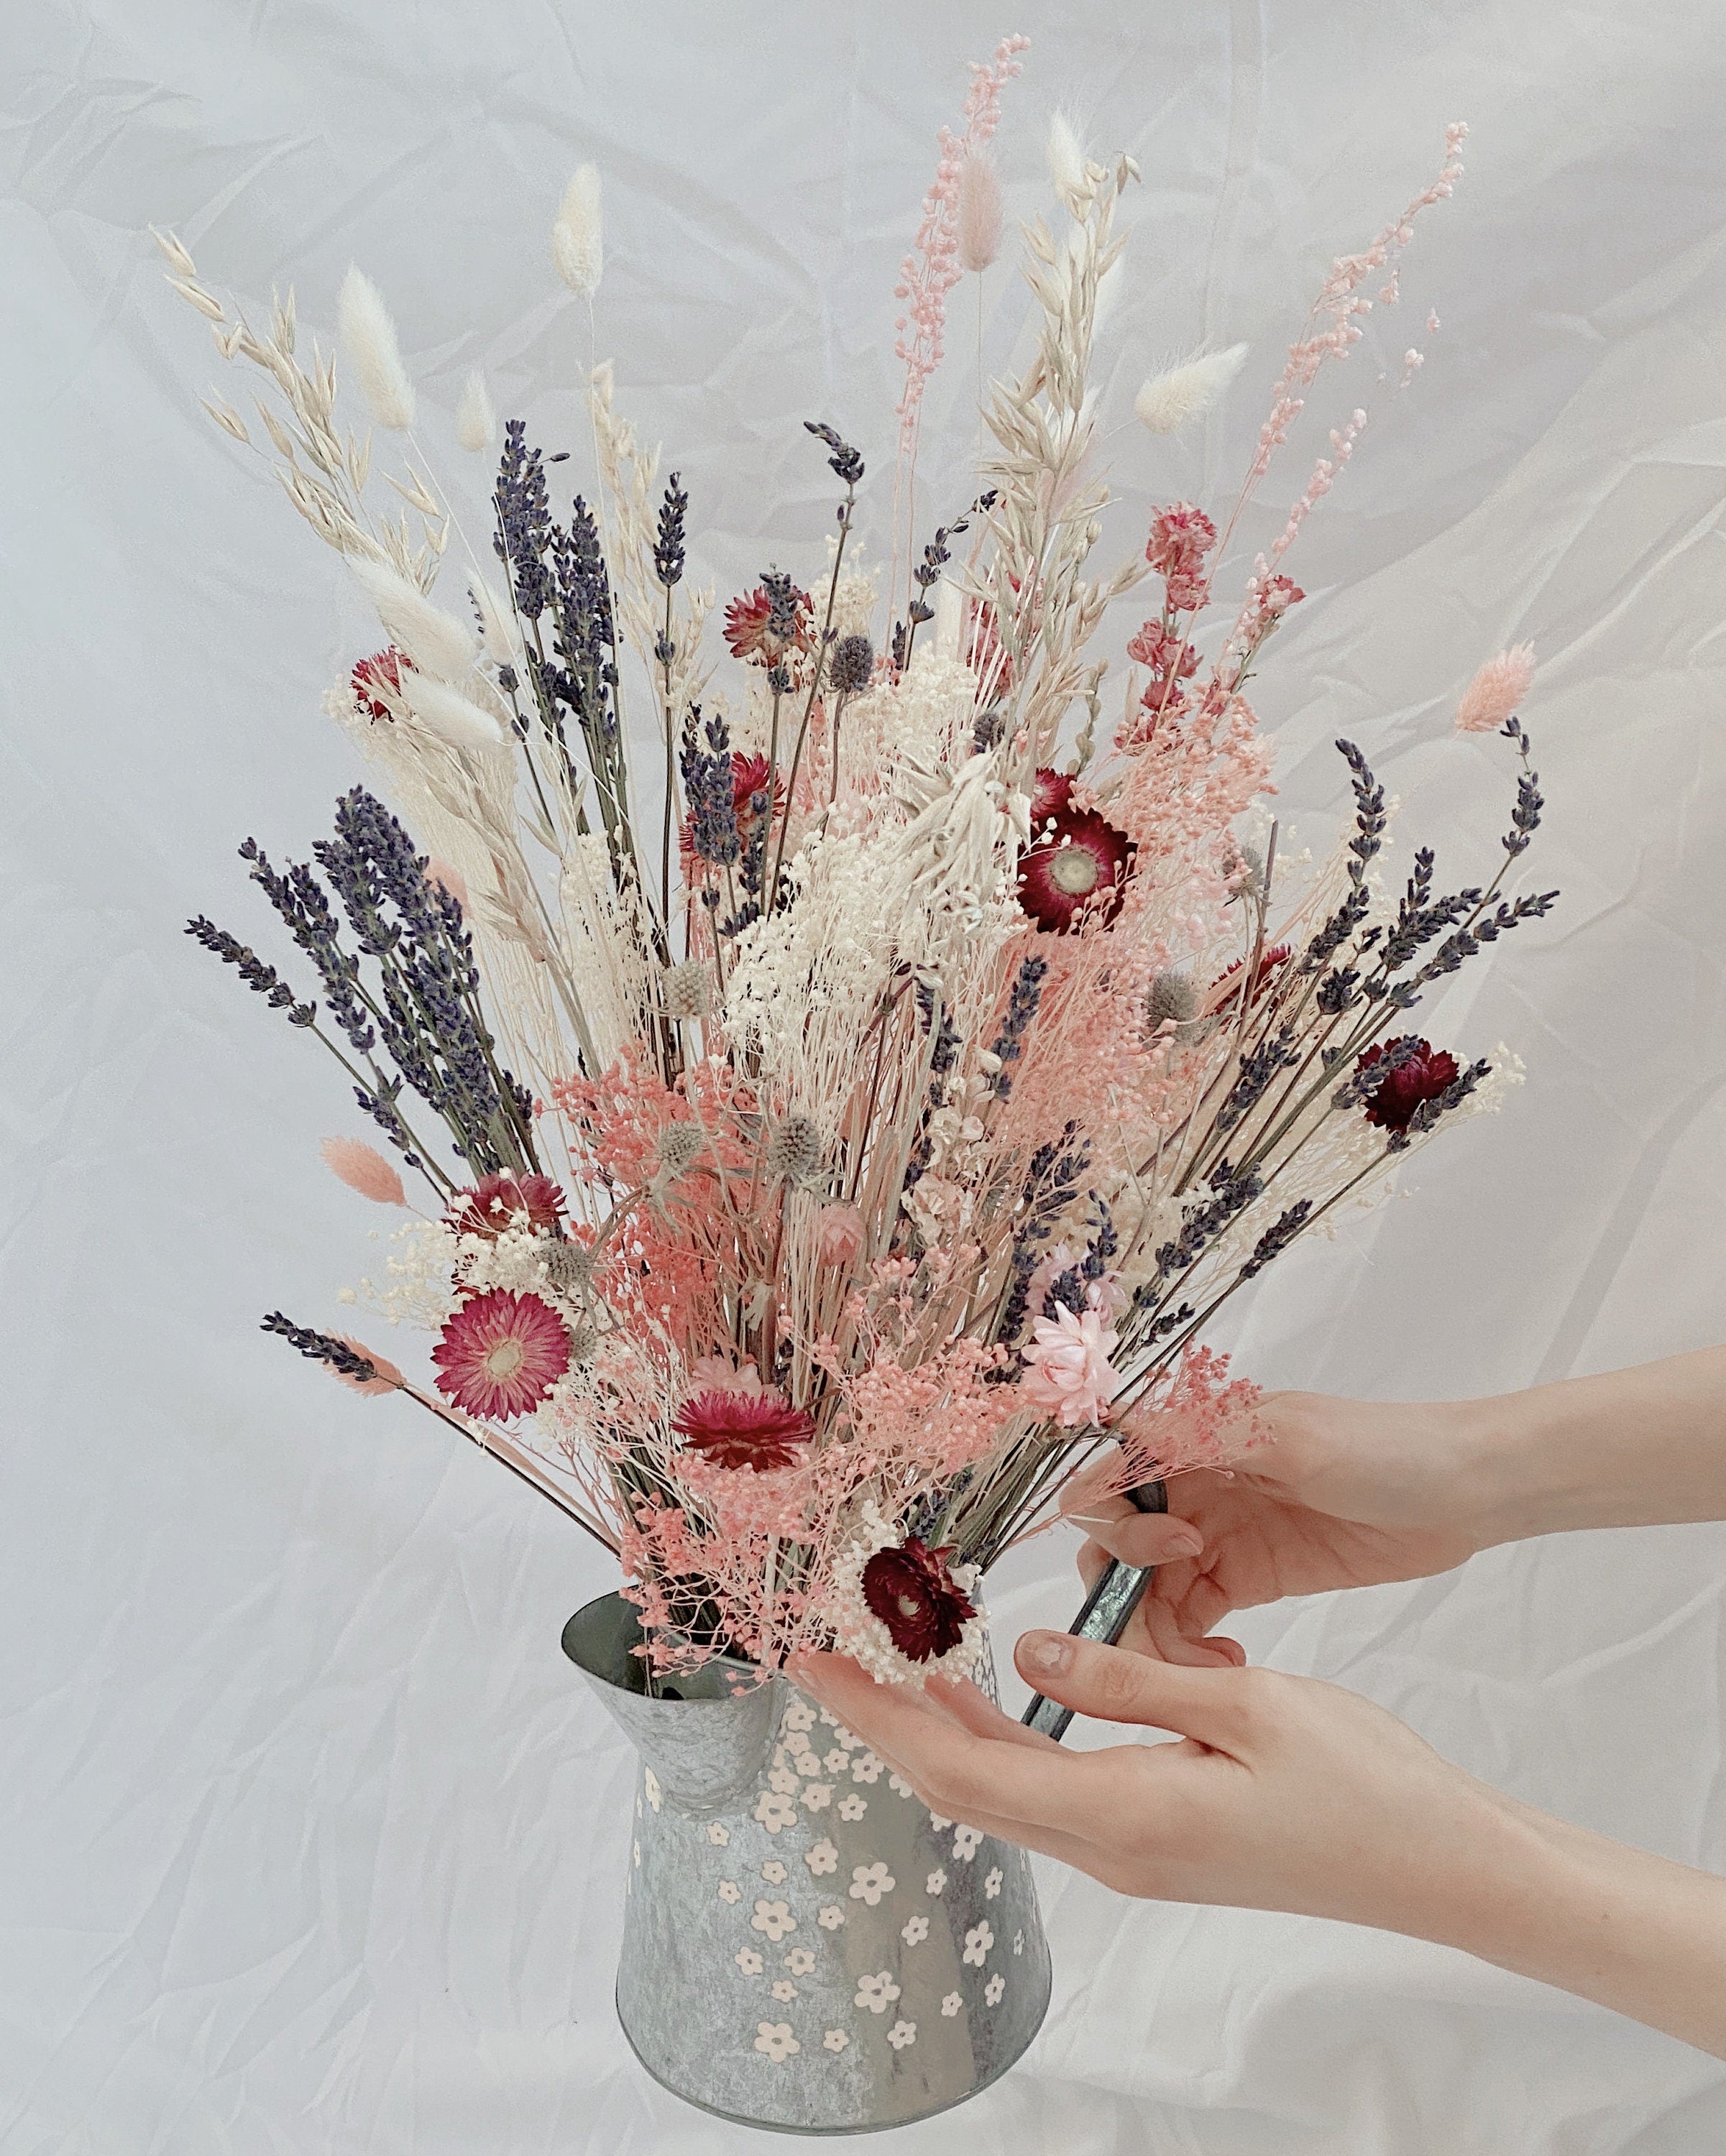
x,y
1193,1415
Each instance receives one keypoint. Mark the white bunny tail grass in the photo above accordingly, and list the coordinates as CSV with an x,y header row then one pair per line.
x,y
1169,400
476,422
578,251
980,211
437,643
1066,163
369,346
451,717
497,623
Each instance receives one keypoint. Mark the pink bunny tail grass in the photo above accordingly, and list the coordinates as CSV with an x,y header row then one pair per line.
x,y
387,1377
981,209
448,879
363,1168
1494,693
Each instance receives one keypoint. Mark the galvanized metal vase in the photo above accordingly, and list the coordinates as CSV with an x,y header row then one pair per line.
x,y
806,1946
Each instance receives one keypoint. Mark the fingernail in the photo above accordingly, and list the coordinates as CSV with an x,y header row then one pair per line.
x,y
1186,1541
1047,1653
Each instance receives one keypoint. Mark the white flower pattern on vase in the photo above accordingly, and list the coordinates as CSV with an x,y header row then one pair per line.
x,y
800,1961
966,1842
940,1824
936,1882
836,2040
774,1919
870,1881
719,1833
747,1960
992,1989
977,1941
776,2040
822,1858
876,1993
773,1872
853,1807
798,1716
729,1890
638,1856
783,1779
816,1796
773,1811
914,1931
899,1787
835,1763
951,2004
866,1767
831,1918
901,2034
991,1885
844,1739
650,1783
785,1990
1019,1942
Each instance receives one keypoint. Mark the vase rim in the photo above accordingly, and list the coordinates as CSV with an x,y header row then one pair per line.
x,y
613,1606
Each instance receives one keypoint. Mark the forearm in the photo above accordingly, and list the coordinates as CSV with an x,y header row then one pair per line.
x,y
1631,1932
1632,1448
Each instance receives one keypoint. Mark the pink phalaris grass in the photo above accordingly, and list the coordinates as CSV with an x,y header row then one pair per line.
x,y
980,211
363,1168
448,879
386,1378
1492,695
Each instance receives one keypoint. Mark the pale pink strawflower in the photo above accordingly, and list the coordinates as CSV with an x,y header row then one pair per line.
x,y
363,1168
1494,693
841,1232
1071,1377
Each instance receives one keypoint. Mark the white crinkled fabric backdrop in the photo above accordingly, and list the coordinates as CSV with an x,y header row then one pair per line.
x,y
312,1841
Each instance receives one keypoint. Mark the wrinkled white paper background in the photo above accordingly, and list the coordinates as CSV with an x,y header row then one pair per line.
x,y
310,1841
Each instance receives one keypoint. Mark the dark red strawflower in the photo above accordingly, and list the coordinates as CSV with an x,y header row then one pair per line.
x,y
1075,870
1225,989
747,632
383,671
923,1607
1428,1072
1050,793
744,1429
502,1201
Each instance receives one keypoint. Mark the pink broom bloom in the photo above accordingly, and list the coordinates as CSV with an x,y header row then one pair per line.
x,y
1494,693
363,1168
499,1354
1070,1379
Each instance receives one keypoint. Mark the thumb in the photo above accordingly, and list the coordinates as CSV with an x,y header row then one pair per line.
x,y
1213,1706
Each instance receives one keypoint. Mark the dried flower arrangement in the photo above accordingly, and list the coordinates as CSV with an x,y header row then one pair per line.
x,y
860,1079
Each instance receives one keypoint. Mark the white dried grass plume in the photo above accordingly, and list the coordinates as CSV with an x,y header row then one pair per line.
x,y
476,422
370,347
436,642
1109,288
577,248
1066,163
497,623
1169,400
451,717
980,211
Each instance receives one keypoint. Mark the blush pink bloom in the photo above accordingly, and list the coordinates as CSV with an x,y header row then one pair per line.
x,y
1069,1377
363,1168
448,879
718,1374
499,1354
842,1232
1492,695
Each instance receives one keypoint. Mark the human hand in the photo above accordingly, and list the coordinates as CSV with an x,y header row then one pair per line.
x,y
1284,1793
1339,1493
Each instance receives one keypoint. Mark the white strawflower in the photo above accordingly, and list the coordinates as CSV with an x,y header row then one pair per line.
x,y
578,251
476,422
435,641
1169,400
369,346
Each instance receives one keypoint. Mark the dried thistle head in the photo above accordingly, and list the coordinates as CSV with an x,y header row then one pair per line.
x,y
678,1146
852,664
794,1151
569,1267
1172,1000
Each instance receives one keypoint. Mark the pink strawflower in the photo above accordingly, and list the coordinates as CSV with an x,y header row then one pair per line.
x,y
1070,1379
499,1354
841,1233
1492,695
718,1374
757,1430
363,1168
388,1378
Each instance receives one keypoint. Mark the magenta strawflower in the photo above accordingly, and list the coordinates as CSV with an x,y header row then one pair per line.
x,y
758,1430
500,1202
499,1354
